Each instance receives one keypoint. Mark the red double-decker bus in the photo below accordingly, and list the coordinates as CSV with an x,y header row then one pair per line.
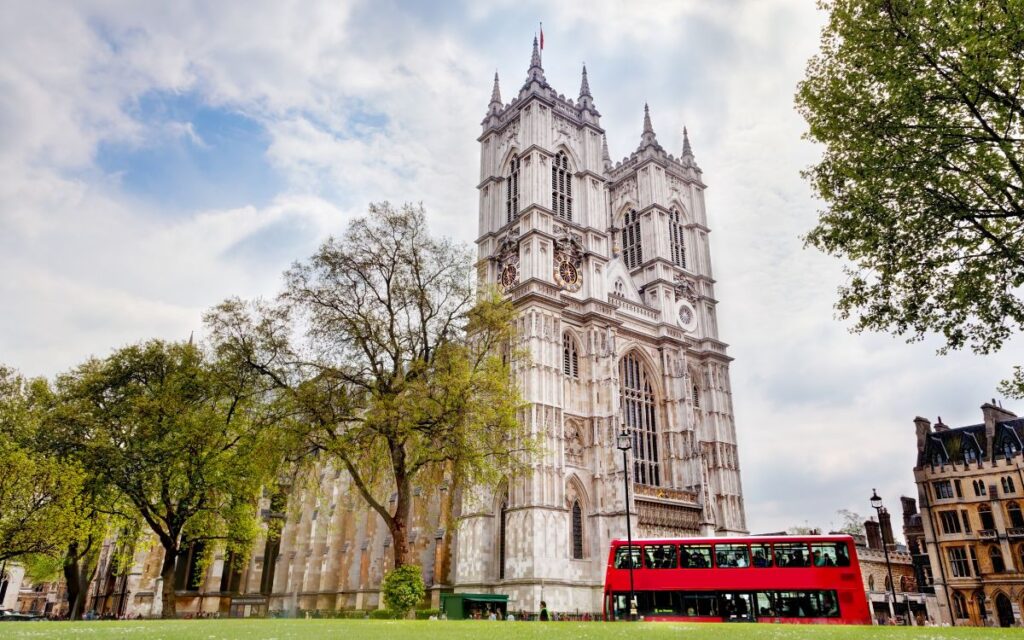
x,y
798,579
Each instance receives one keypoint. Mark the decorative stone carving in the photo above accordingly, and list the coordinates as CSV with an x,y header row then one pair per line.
x,y
507,256
575,441
686,289
568,259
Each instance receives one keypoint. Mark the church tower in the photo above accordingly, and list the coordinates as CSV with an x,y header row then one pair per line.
x,y
609,268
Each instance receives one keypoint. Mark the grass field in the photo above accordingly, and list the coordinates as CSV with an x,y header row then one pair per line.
x,y
466,630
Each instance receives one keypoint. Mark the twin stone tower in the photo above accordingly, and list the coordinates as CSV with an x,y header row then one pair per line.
x,y
608,265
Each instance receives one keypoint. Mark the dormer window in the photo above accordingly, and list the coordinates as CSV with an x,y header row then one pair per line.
x,y
970,454
620,287
561,186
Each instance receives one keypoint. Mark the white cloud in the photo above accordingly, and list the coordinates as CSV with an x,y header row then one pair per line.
x,y
366,101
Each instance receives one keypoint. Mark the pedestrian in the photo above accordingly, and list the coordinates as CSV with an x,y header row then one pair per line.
x,y
543,611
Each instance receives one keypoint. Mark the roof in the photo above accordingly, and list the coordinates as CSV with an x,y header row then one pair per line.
x,y
739,539
952,445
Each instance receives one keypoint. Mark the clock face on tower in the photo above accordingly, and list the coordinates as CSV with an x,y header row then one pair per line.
x,y
508,277
568,275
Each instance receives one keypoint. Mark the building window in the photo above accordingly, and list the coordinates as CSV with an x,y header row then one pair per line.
x,y
985,513
959,605
639,412
632,247
620,287
502,521
970,454
1016,518
958,562
871,583
995,556
974,561
695,394
187,573
676,238
950,522
943,489
979,487
1007,482
512,192
570,358
967,521
1020,555
577,531
561,186
959,489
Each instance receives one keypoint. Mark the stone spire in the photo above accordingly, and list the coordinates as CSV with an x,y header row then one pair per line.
x,y
584,85
536,71
687,150
604,153
495,104
648,139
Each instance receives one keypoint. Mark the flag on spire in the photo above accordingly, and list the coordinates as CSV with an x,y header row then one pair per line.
x,y
542,36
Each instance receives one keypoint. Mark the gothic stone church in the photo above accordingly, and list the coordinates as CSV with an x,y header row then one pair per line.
x,y
610,269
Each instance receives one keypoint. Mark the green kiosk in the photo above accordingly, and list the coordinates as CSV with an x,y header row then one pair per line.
x,y
463,606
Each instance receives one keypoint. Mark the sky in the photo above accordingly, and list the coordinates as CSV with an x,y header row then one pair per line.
x,y
159,157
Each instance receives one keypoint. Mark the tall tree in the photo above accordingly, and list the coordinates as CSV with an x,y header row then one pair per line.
x,y
37,490
188,443
917,104
394,361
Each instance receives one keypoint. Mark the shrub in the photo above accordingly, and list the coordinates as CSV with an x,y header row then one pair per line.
x,y
403,588
424,614
384,614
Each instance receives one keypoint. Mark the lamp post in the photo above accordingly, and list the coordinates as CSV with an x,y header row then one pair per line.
x,y
876,504
624,445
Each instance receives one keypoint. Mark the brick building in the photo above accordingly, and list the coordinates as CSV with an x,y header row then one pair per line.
x,y
970,482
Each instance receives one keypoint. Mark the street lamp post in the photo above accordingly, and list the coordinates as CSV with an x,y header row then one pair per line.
x,y
876,504
624,445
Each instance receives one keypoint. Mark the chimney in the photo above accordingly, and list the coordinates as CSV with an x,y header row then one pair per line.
x,y
994,414
940,426
923,427
874,534
909,509
885,523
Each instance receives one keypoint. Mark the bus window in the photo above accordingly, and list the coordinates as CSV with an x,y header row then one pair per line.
x,y
660,556
622,555
792,554
699,605
765,604
762,555
824,555
695,556
732,555
842,555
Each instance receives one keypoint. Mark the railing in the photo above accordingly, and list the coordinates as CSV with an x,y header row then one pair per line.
x,y
664,493
1015,532
632,307
988,534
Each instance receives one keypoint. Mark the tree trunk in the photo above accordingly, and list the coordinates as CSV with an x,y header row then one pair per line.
x,y
167,597
399,524
79,569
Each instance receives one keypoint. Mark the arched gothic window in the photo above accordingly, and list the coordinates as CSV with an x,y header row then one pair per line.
x,y
561,186
871,583
1016,518
678,240
512,191
570,358
695,392
996,557
577,530
620,286
632,247
888,583
639,415
503,517
959,605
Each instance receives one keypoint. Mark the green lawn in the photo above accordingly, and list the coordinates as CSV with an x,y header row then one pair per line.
x,y
459,630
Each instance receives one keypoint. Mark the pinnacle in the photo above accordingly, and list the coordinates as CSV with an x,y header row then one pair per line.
x,y
605,156
647,120
536,71
687,150
648,139
496,92
585,86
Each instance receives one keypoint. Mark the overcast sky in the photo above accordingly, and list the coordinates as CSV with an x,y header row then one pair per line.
x,y
156,159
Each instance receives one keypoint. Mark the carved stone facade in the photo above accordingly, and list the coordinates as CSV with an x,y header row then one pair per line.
x,y
611,346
